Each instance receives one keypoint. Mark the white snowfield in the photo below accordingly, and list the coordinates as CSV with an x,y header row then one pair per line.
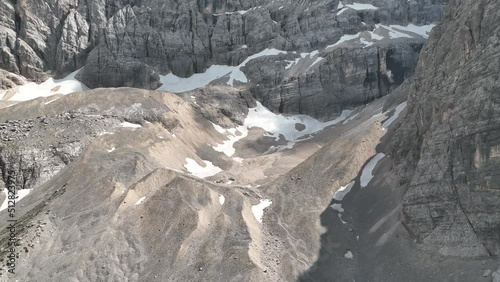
x,y
177,84
258,210
201,171
423,30
381,32
222,200
21,193
50,87
367,173
173,83
276,126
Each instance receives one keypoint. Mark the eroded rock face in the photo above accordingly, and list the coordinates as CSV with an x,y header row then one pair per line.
x,y
347,77
449,143
37,144
221,105
130,43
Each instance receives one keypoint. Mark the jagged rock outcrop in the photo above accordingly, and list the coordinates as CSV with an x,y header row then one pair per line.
x,y
40,37
448,146
30,148
10,80
224,106
131,43
38,144
348,77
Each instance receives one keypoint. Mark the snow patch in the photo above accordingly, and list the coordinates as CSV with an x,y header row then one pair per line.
x,y
237,74
361,7
340,217
344,190
351,118
366,175
140,201
111,150
177,84
238,160
46,103
367,38
308,56
222,199
50,87
355,6
423,30
337,207
396,114
199,171
344,38
365,42
258,210
348,255
105,133
319,59
20,193
130,125
276,126
227,147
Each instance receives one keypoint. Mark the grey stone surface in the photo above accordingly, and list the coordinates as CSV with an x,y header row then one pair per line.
x,y
38,144
348,77
10,80
495,276
448,144
487,273
130,43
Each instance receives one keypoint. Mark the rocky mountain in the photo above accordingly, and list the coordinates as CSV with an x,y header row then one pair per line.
x,y
134,43
244,140
448,143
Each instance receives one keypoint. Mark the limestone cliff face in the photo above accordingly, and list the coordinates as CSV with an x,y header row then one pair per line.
x,y
131,43
449,143
348,77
